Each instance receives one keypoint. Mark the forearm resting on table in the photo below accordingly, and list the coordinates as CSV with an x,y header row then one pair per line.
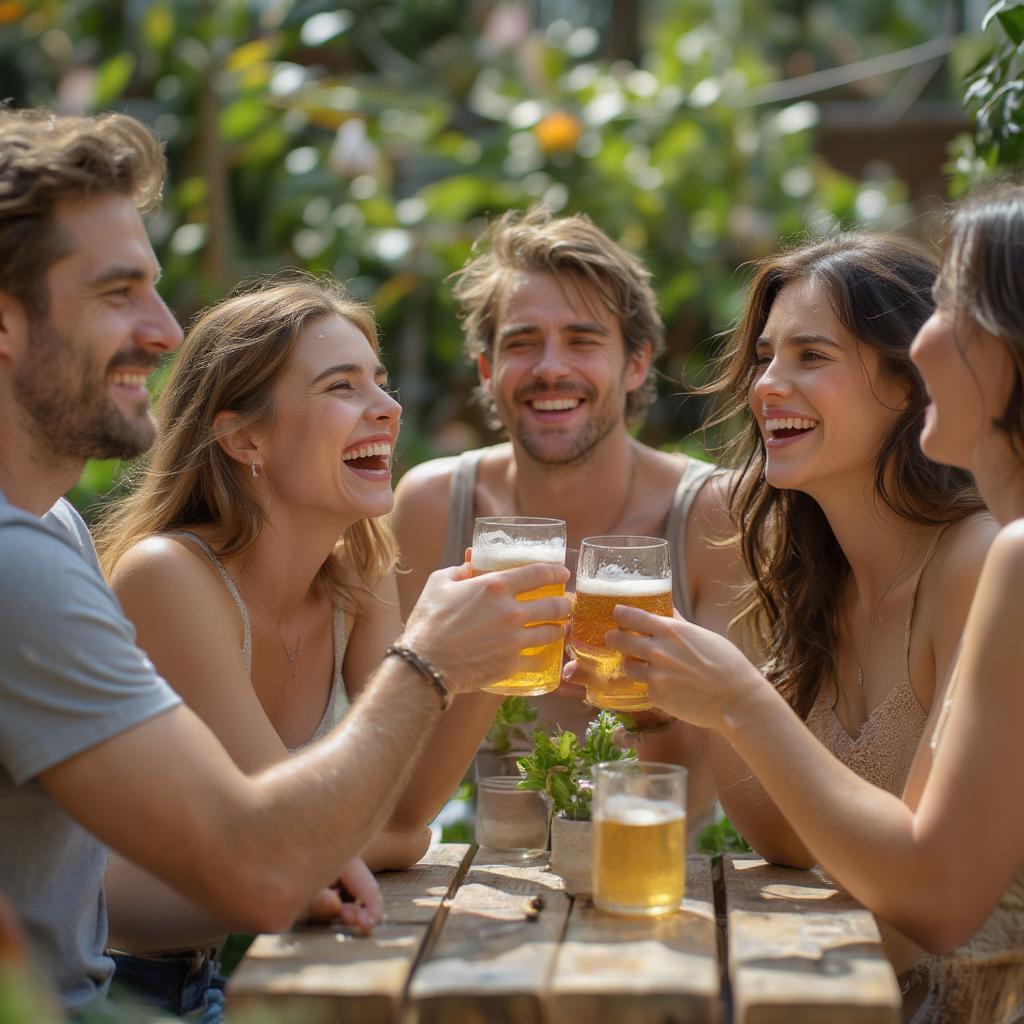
x,y
862,836
751,811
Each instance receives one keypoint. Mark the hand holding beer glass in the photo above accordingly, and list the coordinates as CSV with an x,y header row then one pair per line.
x,y
506,542
639,812
616,570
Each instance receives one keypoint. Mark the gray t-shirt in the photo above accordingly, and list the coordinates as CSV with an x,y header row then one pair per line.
x,y
71,677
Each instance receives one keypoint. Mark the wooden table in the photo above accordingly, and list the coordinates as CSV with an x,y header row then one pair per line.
x,y
473,938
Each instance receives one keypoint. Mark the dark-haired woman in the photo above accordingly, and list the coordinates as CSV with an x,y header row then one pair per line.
x,y
863,554
944,865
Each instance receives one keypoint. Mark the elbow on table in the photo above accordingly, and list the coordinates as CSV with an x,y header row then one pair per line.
x,y
256,897
397,848
941,926
268,905
784,855
939,934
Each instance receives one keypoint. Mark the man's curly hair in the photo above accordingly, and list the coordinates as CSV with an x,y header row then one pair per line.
x,y
44,158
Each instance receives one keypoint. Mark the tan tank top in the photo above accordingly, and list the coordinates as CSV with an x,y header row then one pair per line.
x,y
337,698
883,749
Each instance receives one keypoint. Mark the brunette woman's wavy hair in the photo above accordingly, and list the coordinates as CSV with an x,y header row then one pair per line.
x,y
880,288
982,278
232,357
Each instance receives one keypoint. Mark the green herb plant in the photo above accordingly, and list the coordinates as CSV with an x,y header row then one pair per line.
x,y
560,766
721,837
506,729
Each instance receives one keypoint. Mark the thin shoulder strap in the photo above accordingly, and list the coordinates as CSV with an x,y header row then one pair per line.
x,y
232,590
459,533
913,600
695,475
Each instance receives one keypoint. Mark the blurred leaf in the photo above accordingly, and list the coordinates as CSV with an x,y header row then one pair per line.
x,y
112,78
259,51
243,118
393,291
457,198
158,25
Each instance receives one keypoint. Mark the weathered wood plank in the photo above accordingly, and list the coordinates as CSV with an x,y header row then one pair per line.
x,y
802,950
641,971
415,895
495,950
312,975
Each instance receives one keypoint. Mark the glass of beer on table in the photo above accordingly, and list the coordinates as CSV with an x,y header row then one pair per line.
x,y
506,542
610,571
639,813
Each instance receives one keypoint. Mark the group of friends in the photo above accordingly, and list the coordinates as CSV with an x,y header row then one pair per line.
x,y
263,689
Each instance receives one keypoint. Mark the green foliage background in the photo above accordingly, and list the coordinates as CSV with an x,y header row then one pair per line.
x,y
372,141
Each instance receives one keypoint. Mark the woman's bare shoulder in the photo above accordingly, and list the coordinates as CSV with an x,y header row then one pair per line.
x,y
1005,561
162,570
963,546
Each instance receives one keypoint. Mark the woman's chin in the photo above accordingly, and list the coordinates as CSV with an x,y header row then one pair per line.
x,y
934,448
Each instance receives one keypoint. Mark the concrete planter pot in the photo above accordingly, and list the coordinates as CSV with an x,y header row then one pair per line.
x,y
572,854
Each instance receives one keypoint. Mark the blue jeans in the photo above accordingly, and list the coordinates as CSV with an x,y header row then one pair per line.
x,y
188,986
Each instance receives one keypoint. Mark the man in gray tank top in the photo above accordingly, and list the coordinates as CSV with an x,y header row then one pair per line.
x,y
563,326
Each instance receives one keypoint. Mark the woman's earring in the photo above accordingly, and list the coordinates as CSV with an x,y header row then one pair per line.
x,y
255,467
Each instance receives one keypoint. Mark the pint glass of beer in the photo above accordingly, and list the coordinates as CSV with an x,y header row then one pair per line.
x,y
611,571
639,812
506,542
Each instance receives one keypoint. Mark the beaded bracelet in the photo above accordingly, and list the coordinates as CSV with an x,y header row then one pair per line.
x,y
424,668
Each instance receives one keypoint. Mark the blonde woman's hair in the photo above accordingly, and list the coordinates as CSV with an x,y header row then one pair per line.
x,y
232,357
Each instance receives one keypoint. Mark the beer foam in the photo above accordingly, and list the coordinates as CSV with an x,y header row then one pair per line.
x,y
624,809
490,554
622,585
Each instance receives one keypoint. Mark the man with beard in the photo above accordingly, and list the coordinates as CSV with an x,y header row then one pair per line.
x,y
563,325
95,748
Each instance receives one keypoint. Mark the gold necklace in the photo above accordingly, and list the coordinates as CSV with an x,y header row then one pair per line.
x,y
627,494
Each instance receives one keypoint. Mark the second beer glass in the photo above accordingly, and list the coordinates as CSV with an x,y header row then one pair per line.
x,y
610,571
639,815
506,542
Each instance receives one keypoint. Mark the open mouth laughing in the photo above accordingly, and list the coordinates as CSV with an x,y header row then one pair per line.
x,y
371,457
788,428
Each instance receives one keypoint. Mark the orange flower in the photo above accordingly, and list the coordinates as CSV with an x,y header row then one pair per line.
x,y
11,12
558,132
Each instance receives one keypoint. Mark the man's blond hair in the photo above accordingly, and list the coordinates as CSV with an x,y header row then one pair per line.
x,y
577,251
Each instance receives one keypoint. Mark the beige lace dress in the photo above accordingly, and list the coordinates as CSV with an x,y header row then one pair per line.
x,y
983,981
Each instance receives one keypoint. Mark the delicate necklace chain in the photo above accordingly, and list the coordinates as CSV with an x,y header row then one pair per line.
x,y
290,654
627,495
874,614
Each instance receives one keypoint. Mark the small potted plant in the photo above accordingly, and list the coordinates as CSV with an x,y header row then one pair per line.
x,y
506,738
560,768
